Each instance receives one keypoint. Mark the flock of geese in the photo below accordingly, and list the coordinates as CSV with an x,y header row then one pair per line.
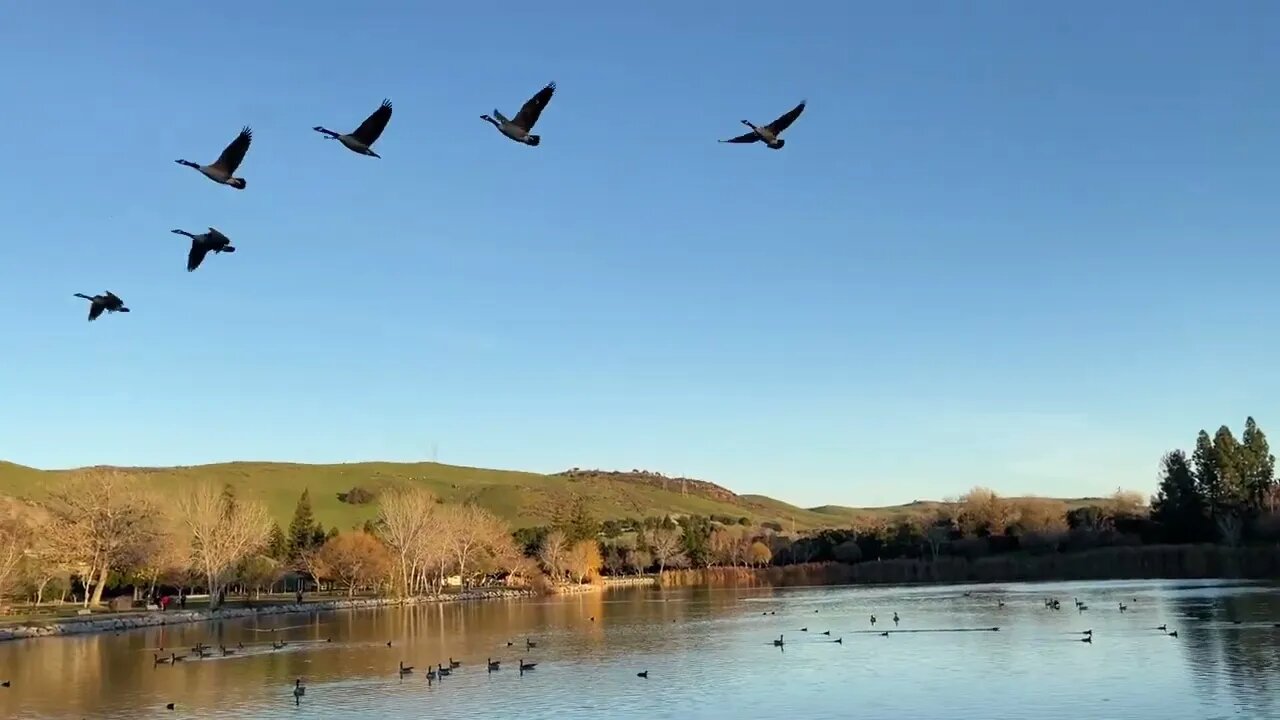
x,y
361,140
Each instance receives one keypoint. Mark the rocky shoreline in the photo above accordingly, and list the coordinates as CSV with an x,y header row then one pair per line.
x,y
117,623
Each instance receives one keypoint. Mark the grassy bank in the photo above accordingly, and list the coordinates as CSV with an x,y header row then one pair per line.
x,y
1116,563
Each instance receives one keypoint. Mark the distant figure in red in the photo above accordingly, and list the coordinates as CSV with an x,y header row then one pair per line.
x,y
164,602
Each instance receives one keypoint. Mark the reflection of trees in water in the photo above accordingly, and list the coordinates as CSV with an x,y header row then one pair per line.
x,y
1229,663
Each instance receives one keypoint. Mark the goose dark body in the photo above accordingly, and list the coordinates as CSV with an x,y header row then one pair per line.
x,y
520,127
203,244
108,301
223,170
361,139
769,133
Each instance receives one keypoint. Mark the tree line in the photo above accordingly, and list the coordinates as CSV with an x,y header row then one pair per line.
x,y
101,529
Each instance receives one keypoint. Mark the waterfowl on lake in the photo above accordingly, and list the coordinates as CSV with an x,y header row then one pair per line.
x,y
527,665
6,683
1122,607
454,663
778,642
1173,634
225,651
1087,632
884,634
839,640
106,301
362,138
223,169
1087,638
804,629
1166,627
873,621
529,644
519,127
204,243
895,618
431,675
644,674
826,632
298,690
442,671
769,133
493,664
405,669
157,660
170,706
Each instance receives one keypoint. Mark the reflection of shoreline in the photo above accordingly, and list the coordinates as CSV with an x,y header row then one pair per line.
x,y
112,622
109,622
1145,562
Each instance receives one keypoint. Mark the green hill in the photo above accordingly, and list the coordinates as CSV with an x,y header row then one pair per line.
x,y
521,498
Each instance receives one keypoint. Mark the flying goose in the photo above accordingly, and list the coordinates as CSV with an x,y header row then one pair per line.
x,y
362,138
223,169
107,301
769,133
203,243
519,127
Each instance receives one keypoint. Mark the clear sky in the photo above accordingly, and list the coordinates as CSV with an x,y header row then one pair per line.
x,y
1027,245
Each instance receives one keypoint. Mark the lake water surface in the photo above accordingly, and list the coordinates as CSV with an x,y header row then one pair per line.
x,y
708,653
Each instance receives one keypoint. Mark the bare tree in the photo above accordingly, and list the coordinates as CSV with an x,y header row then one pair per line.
x,y
405,517
664,543
224,530
583,559
470,532
553,553
113,520
982,511
355,559
15,539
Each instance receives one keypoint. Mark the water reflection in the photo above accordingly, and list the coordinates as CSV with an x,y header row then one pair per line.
x,y
708,652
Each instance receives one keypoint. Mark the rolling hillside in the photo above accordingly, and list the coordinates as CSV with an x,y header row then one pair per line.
x,y
523,499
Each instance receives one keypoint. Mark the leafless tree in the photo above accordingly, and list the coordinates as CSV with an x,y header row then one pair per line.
x,y
223,530
553,553
664,543
405,518
15,540
113,520
470,532
583,559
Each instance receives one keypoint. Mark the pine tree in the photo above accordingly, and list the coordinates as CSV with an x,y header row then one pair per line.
x,y
302,528
1231,459
1178,506
576,522
1258,467
1208,482
277,546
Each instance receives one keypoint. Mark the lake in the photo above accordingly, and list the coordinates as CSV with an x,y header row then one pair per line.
x,y
708,653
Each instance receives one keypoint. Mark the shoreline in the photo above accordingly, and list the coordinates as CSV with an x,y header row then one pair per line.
x,y
110,622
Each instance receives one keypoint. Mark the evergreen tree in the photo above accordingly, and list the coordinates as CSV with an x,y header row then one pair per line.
x,y
576,522
1208,483
1179,507
1258,467
302,528
696,540
277,546
1231,461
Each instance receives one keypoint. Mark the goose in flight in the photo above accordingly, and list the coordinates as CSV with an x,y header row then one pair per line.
x,y
519,127
224,168
769,133
203,244
106,301
362,138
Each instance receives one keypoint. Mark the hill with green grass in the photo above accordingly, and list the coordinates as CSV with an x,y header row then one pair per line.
x,y
523,499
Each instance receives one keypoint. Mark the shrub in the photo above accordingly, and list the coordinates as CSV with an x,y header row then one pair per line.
x,y
358,496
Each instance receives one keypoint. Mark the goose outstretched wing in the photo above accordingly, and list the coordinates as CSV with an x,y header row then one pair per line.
x,y
233,155
196,256
532,109
217,237
747,138
112,297
785,121
95,309
372,127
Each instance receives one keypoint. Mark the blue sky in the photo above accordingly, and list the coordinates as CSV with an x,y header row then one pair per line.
x,y
1011,244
